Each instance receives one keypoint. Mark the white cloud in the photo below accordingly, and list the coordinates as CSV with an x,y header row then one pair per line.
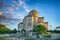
x,y
11,9
25,7
20,2
5,23
16,5
23,4
0,13
18,15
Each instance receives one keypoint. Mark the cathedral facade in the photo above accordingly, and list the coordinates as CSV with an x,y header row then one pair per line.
x,y
31,20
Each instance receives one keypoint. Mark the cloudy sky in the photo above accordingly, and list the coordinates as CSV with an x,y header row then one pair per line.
x,y
13,11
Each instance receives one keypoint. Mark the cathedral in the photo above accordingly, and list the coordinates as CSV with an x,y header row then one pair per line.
x,y
31,20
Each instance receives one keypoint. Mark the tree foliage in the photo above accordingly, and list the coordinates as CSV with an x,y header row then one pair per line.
x,y
14,31
39,29
23,30
54,31
5,30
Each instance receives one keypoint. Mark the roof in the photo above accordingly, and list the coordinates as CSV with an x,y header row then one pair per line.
x,y
21,23
41,17
33,11
28,16
45,22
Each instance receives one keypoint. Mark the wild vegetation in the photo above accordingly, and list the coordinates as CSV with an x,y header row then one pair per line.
x,y
40,29
54,31
5,30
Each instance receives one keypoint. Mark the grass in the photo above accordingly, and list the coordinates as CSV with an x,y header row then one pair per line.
x,y
47,35
2,38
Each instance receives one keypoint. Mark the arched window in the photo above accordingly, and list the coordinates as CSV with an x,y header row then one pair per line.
x,y
29,24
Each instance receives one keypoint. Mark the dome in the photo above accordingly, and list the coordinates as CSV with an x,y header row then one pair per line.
x,y
33,11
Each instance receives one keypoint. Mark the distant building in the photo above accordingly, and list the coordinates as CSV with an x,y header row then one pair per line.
x,y
58,28
31,20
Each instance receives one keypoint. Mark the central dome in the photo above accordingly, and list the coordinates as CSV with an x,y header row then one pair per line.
x,y
33,13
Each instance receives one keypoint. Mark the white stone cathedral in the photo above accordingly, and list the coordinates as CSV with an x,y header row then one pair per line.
x,y
31,20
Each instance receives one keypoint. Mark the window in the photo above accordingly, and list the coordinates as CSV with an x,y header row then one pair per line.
x,y
29,24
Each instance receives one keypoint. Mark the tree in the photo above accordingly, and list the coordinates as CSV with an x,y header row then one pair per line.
x,y
39,29
23,30
3,29
14,31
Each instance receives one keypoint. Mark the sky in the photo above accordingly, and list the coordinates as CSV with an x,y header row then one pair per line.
x,y
13,11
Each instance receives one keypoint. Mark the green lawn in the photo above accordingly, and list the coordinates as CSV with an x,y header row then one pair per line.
x,y
1,38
